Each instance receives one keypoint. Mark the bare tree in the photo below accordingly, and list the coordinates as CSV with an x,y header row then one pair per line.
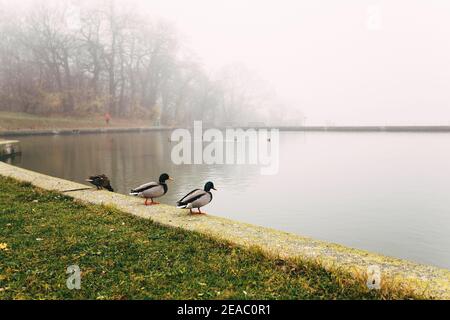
x,y
88,57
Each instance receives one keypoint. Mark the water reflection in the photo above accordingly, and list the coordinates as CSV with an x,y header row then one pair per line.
x,y
384,192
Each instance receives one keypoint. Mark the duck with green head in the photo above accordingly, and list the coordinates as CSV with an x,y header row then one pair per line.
x,y
197,198
152,190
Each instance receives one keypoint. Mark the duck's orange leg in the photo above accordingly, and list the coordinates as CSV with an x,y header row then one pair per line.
x,y
152,203
196,213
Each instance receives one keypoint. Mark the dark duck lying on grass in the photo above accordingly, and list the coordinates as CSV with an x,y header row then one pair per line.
x,y
197,198
100,182
152,190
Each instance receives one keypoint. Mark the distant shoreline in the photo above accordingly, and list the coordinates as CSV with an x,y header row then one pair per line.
x,y
369,128
27,132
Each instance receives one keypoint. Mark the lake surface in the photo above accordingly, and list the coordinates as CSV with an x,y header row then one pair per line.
x,y
383,192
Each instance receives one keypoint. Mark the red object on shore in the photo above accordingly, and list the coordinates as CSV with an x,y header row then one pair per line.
x,y
107,118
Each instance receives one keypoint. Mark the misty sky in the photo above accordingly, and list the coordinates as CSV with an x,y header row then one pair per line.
x,y
346,61
339,61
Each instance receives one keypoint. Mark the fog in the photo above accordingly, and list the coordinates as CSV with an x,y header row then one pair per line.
x,y
348,62
324,57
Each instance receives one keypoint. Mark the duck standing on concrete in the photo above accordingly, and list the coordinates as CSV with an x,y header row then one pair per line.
x,y
100,181
197,198
152,190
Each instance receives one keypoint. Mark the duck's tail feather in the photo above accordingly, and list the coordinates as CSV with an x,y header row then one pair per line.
x,y
181,204
184,205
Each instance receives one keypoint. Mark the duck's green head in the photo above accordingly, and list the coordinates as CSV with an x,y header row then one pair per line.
x,y
164,177
208,186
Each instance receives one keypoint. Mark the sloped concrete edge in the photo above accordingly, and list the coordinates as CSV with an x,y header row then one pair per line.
x,y
431,280
9,148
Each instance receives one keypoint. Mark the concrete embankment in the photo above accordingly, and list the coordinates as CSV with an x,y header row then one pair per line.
x,y
16,133
433,281
436,129
9,148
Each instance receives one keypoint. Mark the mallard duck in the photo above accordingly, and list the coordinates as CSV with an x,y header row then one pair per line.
x,y
152,190
100,182
197,198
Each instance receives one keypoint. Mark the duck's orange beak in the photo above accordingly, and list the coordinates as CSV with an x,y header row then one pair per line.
x,y
171,179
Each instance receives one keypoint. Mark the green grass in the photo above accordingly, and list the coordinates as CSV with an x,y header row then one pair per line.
x,y
25,121
125,257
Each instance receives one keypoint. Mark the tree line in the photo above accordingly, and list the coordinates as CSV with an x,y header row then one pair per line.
x,y
80,58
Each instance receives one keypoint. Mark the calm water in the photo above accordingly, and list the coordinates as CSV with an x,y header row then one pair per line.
x,y
384,192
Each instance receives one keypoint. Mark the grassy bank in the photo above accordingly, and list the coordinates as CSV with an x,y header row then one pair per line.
x,y
24,121
125,257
